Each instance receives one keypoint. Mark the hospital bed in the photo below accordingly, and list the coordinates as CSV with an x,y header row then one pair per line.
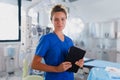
x,y
97,69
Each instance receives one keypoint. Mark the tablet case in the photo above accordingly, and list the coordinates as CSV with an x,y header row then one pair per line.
x,y
74,54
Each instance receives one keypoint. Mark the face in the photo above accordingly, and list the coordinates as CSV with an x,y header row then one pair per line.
x,y
59,20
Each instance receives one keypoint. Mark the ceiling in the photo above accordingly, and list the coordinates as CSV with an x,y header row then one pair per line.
x,y
96,10
87,10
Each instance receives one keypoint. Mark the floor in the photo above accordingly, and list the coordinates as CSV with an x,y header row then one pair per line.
x,y
11,78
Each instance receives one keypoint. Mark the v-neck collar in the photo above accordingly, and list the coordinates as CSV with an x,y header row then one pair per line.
x,y
59,38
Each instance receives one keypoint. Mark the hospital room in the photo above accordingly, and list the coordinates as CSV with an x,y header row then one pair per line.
x,y
36,37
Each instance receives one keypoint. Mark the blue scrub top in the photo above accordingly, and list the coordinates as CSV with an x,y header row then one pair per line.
x,y
54,51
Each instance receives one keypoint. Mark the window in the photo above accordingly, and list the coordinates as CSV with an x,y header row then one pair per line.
x,y
9,21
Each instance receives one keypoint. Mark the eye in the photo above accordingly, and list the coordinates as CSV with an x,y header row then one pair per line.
x,y
63,19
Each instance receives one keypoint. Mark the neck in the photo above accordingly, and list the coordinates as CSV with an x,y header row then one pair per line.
x,y
60,35
58,32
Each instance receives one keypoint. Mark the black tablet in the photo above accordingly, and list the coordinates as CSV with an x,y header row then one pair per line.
x,y
74,54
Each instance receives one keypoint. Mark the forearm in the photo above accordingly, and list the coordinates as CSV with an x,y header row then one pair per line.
x,y
38,65
44,67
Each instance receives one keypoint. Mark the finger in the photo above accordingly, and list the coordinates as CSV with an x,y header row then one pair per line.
x,y
67,65
67,62
79,63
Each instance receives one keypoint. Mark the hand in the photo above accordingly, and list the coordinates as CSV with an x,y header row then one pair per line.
x,y
63,66
80,63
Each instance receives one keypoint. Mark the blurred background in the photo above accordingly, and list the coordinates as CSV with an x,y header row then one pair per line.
x,y
93,25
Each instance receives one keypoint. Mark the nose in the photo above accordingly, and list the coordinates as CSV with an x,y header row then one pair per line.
x,y
59,22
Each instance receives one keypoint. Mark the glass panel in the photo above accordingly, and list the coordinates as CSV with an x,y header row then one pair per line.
x,y
9,24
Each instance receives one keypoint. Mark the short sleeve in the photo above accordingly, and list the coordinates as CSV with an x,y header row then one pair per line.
x,y
42,46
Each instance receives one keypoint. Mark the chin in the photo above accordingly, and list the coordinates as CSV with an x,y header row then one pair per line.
x,y
61,29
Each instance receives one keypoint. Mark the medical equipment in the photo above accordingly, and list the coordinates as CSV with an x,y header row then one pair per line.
x,y
10,52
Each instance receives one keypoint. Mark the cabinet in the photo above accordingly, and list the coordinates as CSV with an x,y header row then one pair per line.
x,y
104,40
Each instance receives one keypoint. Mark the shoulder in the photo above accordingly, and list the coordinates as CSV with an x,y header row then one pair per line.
x,y
68,38
69,41
47,36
